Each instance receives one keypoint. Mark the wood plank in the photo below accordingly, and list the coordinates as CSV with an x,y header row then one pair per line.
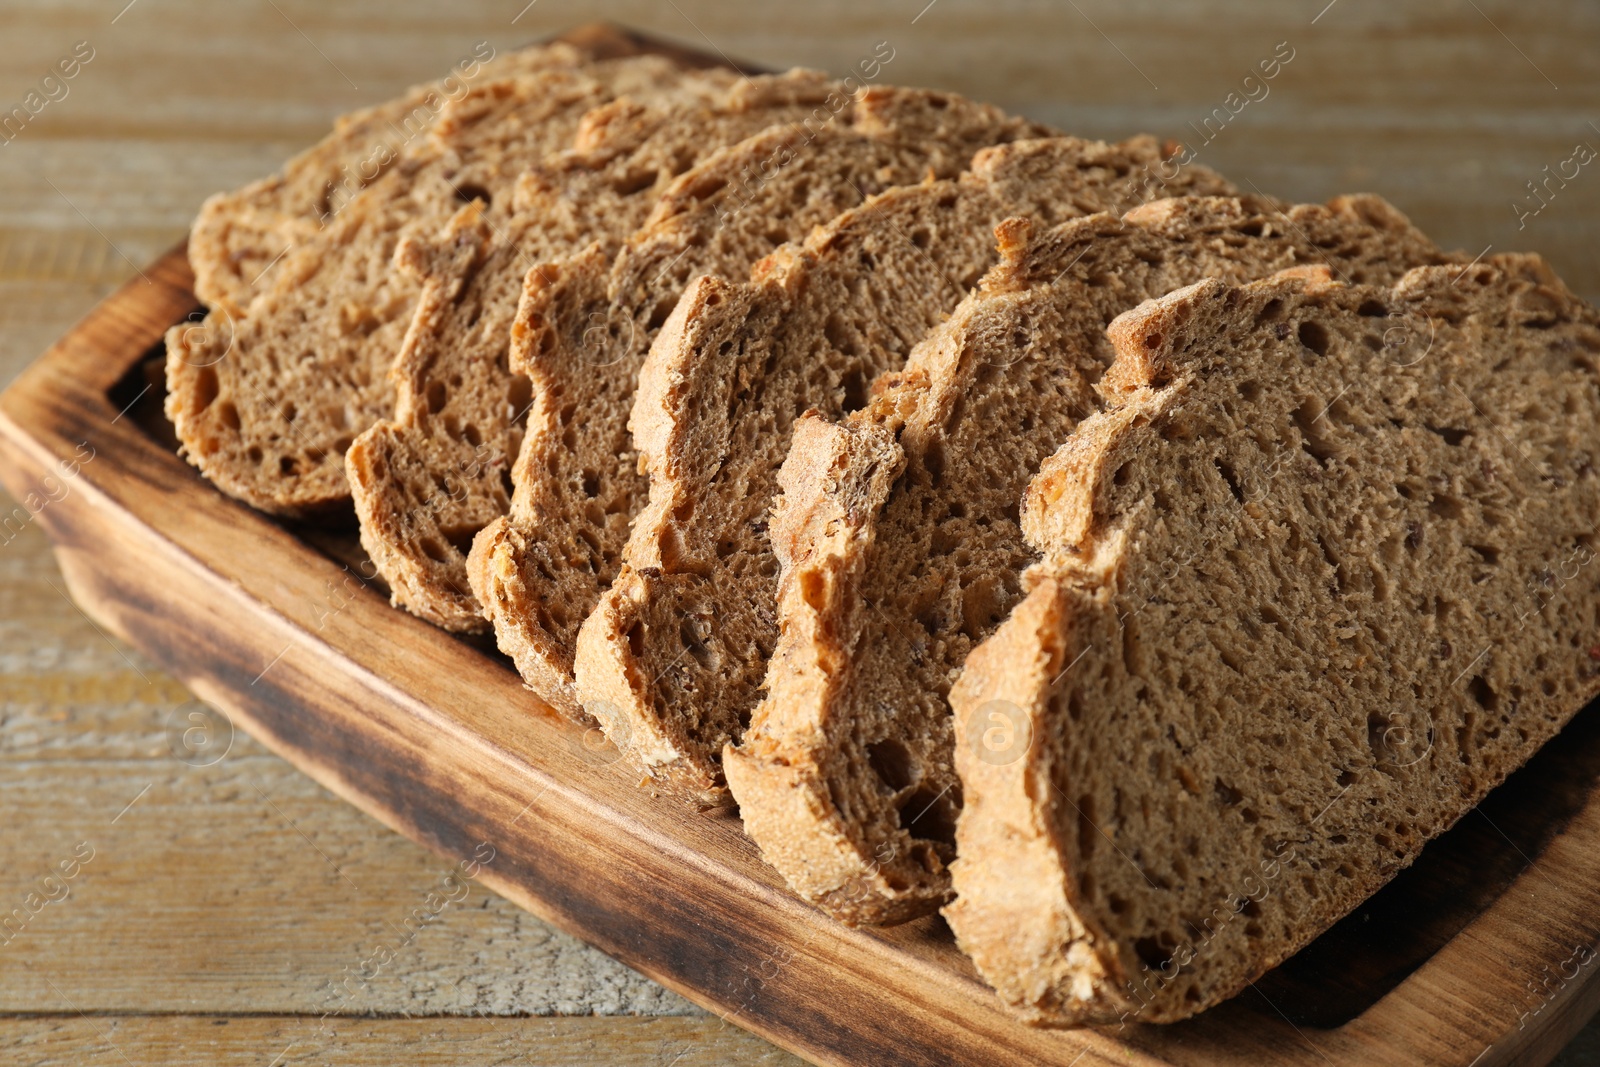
x,y
69,693
281,900
71,1040
1432,109
248,915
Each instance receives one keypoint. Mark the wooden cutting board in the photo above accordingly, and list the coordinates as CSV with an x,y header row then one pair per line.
x,y
1482,953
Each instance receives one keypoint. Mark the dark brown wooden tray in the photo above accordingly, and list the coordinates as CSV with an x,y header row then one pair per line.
x,y
1482,953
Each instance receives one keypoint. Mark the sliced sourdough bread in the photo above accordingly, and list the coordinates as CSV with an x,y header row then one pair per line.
x,y
900,540
266,403
239,234
586,324
427,480
673,656
1319,578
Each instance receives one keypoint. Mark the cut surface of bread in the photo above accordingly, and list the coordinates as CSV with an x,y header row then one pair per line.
x,y
899,534
1320,576
266,403
586,324
461,404
240,234
675,652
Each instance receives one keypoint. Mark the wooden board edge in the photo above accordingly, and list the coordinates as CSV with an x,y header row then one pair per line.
x,y
115,526
338,730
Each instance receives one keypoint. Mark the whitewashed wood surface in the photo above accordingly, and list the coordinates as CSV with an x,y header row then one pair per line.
x,y
226,906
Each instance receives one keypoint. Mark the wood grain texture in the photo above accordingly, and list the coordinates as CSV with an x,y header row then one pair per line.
x,y
1438,110
69,1040
273,905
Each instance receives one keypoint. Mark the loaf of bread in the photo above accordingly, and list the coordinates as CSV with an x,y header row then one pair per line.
x,y
673,657
586,325
1316,581
1145,590
267,401
899,537
461,403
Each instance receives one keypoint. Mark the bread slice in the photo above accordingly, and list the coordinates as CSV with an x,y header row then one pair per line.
x,y
1318,580
427,480
898,530
673,656
586,325
239,234
267,402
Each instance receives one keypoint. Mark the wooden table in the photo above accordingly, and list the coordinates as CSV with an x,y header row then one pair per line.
x,y
227,906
